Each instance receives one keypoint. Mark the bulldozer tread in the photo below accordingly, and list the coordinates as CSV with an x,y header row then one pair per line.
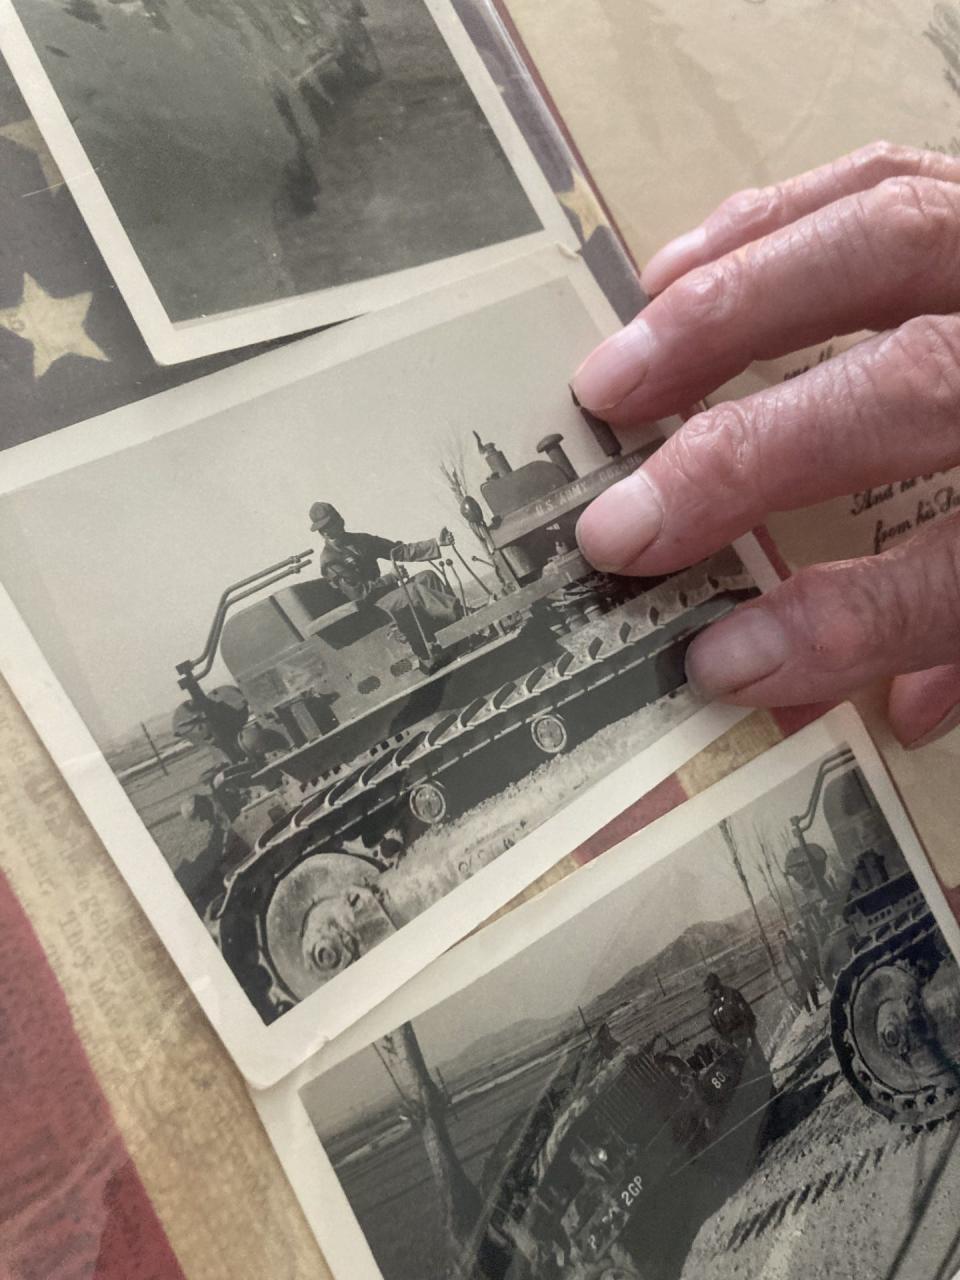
x,y
362,807
904,940
452,739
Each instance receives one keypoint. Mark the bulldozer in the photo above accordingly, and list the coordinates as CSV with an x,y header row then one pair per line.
x,y
610,1174
352,727
871,936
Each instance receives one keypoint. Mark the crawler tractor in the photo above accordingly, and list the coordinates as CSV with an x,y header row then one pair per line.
x,y
895,1002
612,1172
354,728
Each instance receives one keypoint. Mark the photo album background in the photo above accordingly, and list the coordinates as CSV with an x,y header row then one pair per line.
x,y
305,761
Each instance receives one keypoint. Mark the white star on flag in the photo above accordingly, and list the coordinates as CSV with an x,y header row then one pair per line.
x,y
582,203
24,133
54,327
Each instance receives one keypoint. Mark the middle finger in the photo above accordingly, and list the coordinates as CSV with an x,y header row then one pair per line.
x,y
885,410
867,261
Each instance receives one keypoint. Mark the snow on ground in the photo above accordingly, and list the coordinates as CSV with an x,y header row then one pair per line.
x,y
443,858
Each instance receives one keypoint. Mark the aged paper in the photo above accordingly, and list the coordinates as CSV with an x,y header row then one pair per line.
x,y
181,1106
250,172
676,106
671,118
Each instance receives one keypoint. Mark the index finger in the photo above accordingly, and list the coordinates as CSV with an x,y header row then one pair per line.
x,y
757,211
868,261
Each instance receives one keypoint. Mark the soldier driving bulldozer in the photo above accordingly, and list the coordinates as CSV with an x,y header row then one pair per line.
x,y
350,562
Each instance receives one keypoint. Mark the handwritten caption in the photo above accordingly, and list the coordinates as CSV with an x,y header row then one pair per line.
x,y
929,506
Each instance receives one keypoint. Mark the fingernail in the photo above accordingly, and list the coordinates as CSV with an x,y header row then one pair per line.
x,y
737,652
620,524
615,368
943,726
673,261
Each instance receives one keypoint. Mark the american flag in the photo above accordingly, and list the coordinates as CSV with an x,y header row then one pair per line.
x,y
69,349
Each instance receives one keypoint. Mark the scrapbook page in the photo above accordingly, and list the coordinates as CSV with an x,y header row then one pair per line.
x,y
687,131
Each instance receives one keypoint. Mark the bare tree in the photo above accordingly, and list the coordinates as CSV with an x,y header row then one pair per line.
x,y
726,830
453,471
458,1198
764,845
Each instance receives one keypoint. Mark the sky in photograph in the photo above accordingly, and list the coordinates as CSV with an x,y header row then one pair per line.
x,y
117,565
588,955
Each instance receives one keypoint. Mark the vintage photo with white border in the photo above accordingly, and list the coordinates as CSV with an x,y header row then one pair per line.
x,y
731,1045
312,641
255,169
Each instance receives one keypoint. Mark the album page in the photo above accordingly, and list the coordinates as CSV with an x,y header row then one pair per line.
x,y
676,107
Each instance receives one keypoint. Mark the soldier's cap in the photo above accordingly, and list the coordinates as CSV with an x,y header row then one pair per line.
x,y
323,514
710,981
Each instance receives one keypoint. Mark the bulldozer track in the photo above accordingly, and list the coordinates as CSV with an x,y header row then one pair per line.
x,y
375,807
770,1215
336,813
901,940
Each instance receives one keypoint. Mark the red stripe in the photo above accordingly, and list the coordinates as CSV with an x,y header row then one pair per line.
x,y
640,814
953,898
71,1201
790,720
771,551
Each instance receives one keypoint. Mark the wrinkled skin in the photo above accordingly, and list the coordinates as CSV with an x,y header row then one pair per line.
x,y
869,242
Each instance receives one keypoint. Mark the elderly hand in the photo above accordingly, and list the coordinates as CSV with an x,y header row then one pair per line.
x,y
870,242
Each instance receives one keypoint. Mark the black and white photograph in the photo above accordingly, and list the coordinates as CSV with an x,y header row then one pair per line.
x,y
730,1047
364,658
251,169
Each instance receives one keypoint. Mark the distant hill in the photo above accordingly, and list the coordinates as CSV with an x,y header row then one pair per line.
x,y
501,1045
700,944
678,964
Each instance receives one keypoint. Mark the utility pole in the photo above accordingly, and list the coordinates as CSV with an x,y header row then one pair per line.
x,y
445,1094
726,830
153,748
769,877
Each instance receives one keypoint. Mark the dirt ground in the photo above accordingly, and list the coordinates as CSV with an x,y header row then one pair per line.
x,y
836,1191
157,797
839,1191
399,172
